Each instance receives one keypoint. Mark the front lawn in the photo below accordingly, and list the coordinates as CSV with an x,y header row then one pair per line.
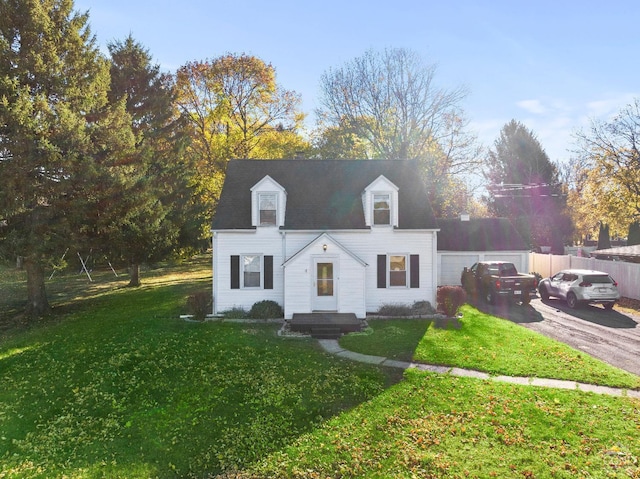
x,y
487,343
117,386
114,385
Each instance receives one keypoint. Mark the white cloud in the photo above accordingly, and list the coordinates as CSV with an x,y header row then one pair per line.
x,y
532,106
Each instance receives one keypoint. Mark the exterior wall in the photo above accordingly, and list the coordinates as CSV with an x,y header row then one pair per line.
x,y
357,282
265,241
349,278
367,245
451,263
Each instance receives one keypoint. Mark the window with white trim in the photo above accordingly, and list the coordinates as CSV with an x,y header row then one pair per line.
x,y
251,271
268,203
382,209
398,270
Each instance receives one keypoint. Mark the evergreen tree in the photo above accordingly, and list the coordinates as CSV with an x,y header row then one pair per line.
x,y
53,91
524,186
604,240
633,237
152,208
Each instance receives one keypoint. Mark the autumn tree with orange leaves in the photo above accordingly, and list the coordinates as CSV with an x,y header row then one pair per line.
x,y
236,109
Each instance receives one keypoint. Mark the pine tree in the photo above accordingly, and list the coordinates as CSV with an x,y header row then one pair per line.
x,y
156,207
633,237
604,241
524,186
53,83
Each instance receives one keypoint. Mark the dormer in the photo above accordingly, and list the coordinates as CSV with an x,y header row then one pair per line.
x,y
268,203
380,202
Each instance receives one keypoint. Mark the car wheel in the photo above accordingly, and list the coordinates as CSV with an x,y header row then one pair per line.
x,y
526,299
608,306
544,294
572,301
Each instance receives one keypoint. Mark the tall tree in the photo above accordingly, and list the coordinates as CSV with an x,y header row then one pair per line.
x,y
524,185
610,153
604,239
388,104
633,236
236,109
152,202
53,82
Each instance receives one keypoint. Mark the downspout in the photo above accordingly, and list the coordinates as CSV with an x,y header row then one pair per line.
x,y
283,234
214,269
434,270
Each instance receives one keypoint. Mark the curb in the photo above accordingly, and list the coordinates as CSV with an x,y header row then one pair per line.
x,y
333,347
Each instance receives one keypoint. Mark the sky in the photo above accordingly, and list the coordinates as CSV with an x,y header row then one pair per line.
x,y
555,66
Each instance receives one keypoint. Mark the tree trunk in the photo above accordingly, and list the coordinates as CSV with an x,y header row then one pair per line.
x,y
135,275
37,303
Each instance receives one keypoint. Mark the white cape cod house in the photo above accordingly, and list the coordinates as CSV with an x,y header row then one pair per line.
x,y
344,236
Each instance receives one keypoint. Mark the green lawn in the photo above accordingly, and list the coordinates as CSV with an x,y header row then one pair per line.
x,y
486,343
114,385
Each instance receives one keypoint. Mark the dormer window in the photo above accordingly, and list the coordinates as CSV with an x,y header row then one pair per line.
x,y
380,204
382,209
268,204
268,209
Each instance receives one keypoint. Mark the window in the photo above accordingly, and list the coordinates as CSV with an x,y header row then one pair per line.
x,y
382,209
251,271
268,202
397,270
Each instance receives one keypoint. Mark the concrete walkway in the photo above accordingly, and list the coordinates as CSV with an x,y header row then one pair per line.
x,y
332,346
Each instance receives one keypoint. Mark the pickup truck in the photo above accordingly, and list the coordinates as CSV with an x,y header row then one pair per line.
x,y
493,280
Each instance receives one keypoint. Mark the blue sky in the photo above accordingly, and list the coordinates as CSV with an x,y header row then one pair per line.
x,y
552,65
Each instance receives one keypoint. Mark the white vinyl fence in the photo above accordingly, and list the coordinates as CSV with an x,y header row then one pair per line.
x,y
627,275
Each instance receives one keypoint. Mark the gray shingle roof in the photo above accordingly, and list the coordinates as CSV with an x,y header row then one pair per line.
x,y
479,234
323,194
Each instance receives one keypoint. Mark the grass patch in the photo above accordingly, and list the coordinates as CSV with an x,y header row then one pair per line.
x,y
118,386
435,426
390,338
114,385
487,343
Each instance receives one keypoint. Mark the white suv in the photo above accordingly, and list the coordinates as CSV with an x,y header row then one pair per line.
x,y
578,286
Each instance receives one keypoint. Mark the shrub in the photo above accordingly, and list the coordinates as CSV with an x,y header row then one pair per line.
x,y
397,310
422,308
235,313
266,309
199,304
450,298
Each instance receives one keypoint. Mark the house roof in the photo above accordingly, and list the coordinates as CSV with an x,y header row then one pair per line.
x,y
323,194
479,234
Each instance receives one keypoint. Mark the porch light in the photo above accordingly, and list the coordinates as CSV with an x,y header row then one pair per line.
x,y
324,247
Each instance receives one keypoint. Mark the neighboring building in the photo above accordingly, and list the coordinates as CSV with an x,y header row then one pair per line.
x,y
323,235
463,242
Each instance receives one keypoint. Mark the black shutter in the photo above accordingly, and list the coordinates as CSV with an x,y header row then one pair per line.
x,y
235,272
414,265
382,271
268,272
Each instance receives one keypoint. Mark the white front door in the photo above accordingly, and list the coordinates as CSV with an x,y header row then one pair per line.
x,y
325,284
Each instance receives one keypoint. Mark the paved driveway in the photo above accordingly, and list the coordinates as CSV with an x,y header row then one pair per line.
x,y
612,336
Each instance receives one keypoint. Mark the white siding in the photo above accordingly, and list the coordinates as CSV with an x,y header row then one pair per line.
x,y
348,279
367,246
357,283
264,241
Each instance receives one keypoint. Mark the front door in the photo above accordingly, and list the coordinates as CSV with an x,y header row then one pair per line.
x,y
324,286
